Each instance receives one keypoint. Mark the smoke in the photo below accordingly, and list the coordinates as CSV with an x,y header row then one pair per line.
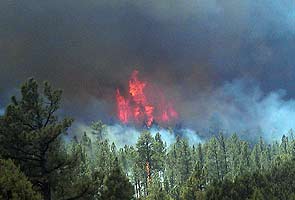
x,y
227,64
240,106
127,135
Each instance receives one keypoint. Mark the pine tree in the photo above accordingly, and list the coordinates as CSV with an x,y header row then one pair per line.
x,y
116,185
171,173
255,158
104,156
184,165
31,134
223,156
234,149
123,159
212,162
98,129
14,184
144,160
86,144
284,145
244,159
159,154
292,149
82,181
195,185
266,158
156,190
200,155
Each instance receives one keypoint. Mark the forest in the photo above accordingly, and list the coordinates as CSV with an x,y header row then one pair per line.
x,y
39,161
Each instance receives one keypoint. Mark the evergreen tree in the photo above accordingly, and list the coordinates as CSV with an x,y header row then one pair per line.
x,y
144,161
14,184
255,158
292,149
82,180
223,156
159,155
244,159
98,129
284,145
104,157
179,166
266,158
123,159
116,185
157,193
200,155
171,173
234,149
257,195
31,134
156,190
195,185
212,162
185,165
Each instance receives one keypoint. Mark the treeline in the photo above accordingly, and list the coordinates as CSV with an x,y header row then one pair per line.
x,y
208,170
37,162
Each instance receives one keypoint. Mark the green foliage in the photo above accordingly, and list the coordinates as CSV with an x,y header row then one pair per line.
x,y
212,162
144,164
104,153
116,186
79,180
157,193
158,157
277,183
31,134
98,129
14,184
195,185
90,167
257,195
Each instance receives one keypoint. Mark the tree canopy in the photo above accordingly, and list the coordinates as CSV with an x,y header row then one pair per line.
x,y
40,160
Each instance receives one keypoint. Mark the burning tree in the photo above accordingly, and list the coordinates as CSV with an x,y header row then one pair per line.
x,y
144,103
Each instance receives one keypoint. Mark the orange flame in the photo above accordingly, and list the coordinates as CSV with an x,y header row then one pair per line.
x,y
139,108
123,107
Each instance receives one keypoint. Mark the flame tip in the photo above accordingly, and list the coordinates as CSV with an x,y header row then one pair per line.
x,y
141,107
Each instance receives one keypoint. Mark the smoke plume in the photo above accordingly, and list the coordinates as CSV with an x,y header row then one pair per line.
x,y
228,65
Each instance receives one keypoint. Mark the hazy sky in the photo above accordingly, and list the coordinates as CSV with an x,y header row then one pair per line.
x,y
219,59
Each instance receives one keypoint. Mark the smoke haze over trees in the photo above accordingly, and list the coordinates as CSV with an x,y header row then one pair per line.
x,y
158,100
39,161
215,58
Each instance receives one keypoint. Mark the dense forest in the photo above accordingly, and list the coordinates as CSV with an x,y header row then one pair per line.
x,y
38,161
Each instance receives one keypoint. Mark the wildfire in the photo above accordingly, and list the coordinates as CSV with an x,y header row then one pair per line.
x,y
123,106
143,106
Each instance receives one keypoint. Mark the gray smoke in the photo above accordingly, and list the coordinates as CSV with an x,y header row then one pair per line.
x,y
241,106
127,135
227,64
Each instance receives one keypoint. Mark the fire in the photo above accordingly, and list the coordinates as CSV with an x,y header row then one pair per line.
x,y
143,106
123,107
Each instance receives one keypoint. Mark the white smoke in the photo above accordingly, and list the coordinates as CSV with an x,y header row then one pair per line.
x,y
240,106
127,135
